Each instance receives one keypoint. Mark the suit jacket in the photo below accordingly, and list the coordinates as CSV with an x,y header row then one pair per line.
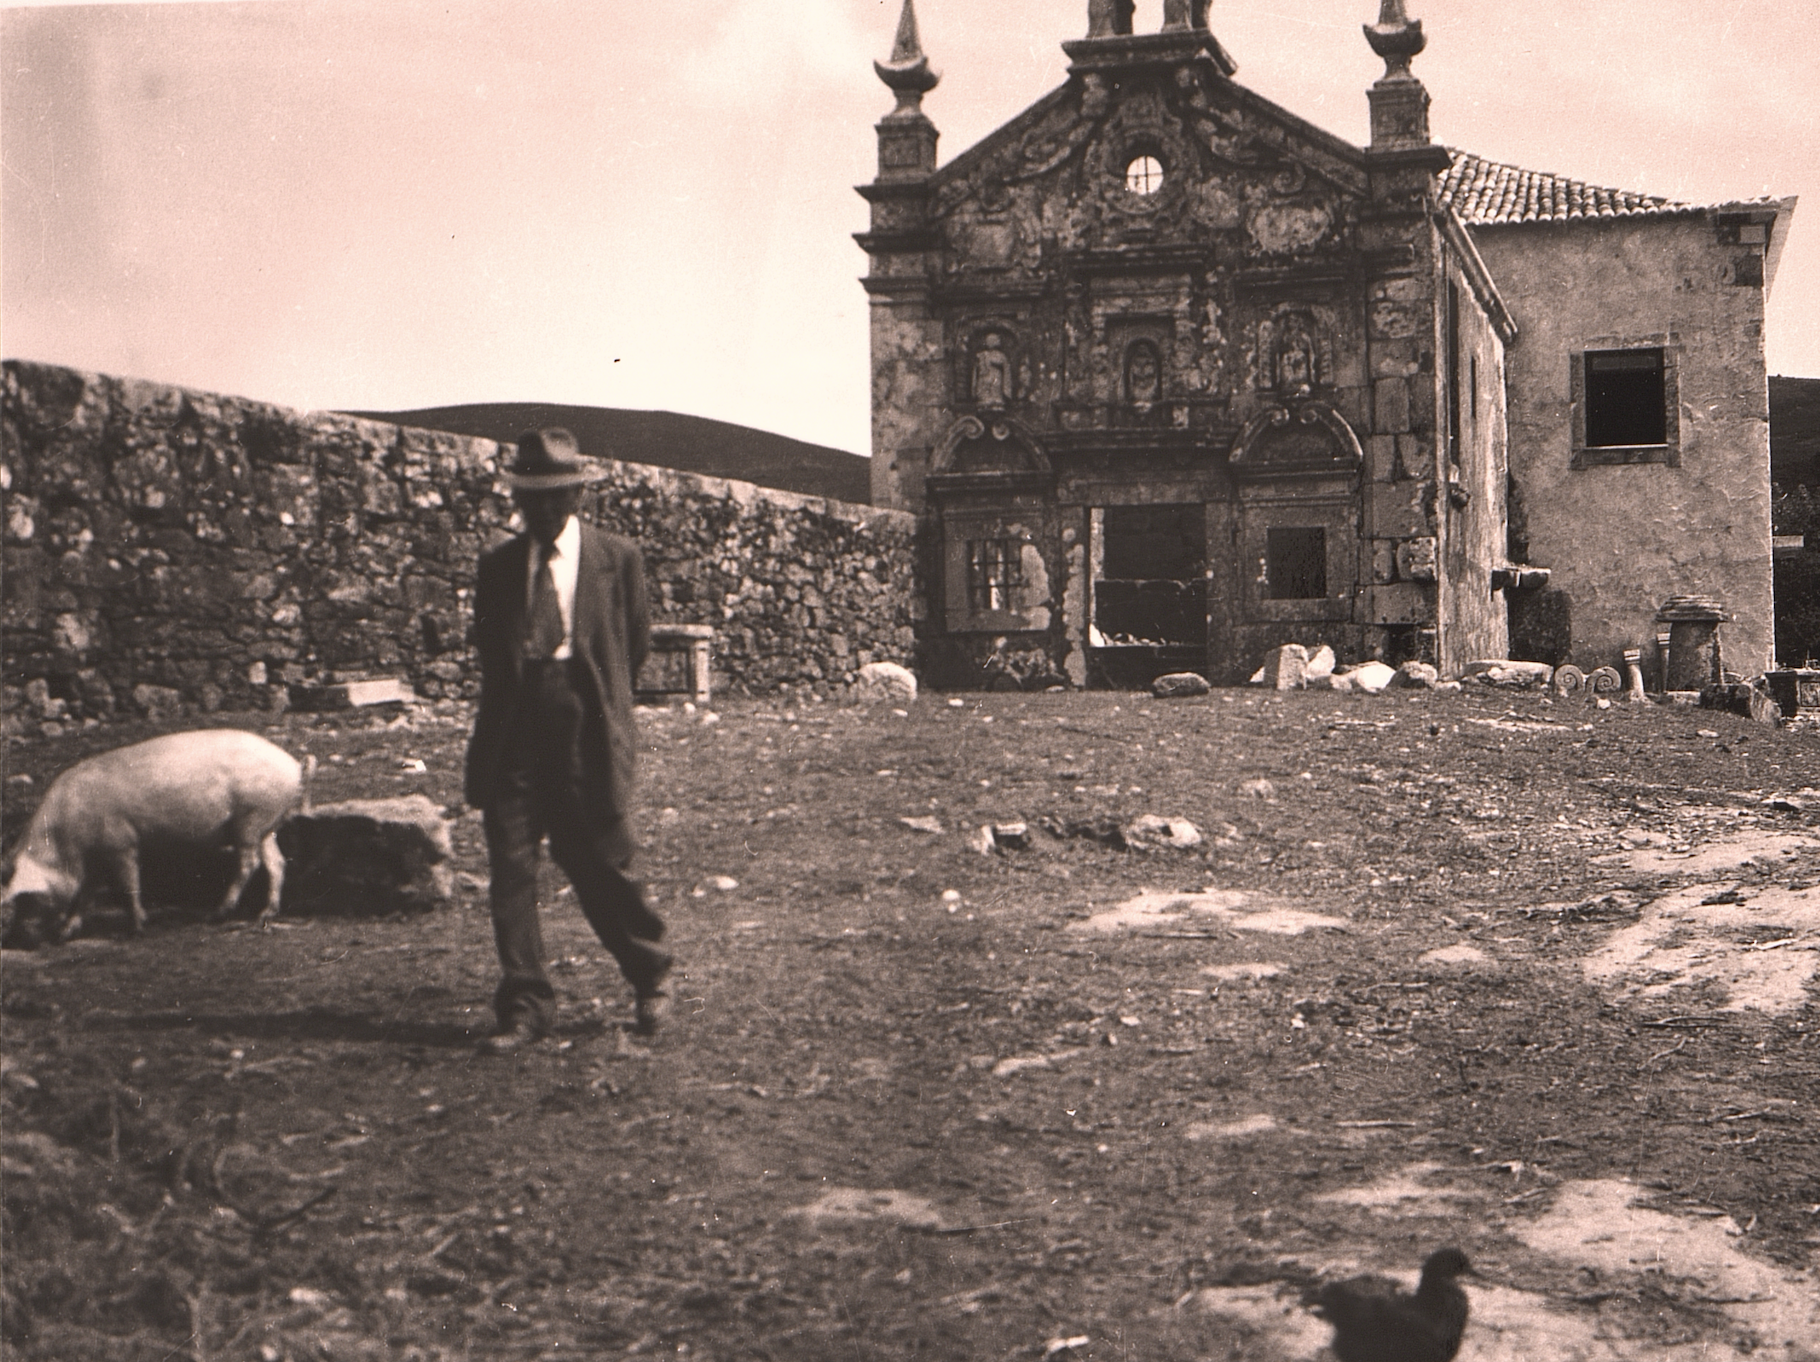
x,y
610,636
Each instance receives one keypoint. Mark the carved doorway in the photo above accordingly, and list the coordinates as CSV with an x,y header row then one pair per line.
x,y
1148,609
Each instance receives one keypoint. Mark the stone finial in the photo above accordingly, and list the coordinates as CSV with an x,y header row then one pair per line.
x,y
1399,103
907,73
1396,38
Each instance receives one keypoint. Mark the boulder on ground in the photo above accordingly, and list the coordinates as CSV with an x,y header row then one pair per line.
x,y
367,858
1176,685
1286,668
1416,676
1371,677
884,681
1321,662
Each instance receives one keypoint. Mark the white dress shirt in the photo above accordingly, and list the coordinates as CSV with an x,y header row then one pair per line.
x,y
564,558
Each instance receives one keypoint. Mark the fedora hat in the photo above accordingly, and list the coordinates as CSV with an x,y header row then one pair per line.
x,y
548,459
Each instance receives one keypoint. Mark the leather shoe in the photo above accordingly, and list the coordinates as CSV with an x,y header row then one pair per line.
x,y
510,1039
649,1011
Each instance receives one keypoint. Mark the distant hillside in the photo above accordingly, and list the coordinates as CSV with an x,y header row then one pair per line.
x,y
1794,430
693,444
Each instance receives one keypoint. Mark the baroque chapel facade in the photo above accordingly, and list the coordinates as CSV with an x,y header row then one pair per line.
x,y
1173,376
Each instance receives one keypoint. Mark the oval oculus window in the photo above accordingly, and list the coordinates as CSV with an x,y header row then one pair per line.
x,y
1144,175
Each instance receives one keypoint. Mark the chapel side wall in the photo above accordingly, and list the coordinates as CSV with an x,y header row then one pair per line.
x,y
1621,539
169,547
1475,484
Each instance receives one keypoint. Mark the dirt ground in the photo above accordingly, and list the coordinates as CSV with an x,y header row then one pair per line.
x,y
1529,977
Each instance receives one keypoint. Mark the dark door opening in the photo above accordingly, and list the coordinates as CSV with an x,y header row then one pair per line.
x,y
1149,591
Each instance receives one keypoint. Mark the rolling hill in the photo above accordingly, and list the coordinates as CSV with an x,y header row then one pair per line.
x,y
693,444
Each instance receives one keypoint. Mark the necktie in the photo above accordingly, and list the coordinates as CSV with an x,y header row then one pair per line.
x,y
543,628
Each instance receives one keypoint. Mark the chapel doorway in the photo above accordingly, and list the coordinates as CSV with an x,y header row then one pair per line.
x,y
1148,607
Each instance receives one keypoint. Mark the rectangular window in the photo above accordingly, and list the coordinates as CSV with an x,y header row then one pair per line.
x,y
1626,398
995,575
1295,564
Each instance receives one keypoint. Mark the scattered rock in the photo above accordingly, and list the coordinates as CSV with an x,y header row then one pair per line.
x,y
1151,832
1177,685
981,840
1014,836
884,681
1260,788
1341,681
1321,662
1416,676
924,823
367,857
1371,677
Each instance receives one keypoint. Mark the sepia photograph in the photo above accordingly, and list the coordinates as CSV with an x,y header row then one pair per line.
x,y
1068,680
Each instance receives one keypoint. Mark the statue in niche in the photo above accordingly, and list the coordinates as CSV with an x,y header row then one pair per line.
x,y
1143,374
991,372
1297,370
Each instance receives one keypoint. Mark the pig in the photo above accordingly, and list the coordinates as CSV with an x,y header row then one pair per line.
x,y
205,790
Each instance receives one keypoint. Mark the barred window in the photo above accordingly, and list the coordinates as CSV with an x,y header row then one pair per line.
x,y
995,574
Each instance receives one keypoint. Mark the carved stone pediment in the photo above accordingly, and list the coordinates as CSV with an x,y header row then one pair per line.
x,y
988,449
1300,439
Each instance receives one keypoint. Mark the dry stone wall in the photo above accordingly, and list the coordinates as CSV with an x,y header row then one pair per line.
x,y
168,550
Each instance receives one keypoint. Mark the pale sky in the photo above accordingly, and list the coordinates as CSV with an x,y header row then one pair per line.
x,y
383,204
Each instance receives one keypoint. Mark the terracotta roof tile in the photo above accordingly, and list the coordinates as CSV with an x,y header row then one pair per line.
x,y
1483,192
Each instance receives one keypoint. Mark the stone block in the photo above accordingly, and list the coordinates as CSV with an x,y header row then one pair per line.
x,y
1286,668
1399,510
367,858
1390,406
384,690
1383,561
1401,603
1510,674
1416,559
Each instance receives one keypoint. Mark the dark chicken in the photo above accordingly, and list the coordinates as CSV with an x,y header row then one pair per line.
x,y
1374,1320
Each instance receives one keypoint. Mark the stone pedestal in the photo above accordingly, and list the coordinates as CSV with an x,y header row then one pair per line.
x,y
678,664
1694,660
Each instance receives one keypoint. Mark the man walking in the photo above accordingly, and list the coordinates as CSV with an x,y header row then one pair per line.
x,y
561,627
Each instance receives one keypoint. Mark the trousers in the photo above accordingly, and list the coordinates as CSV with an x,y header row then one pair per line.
x,y
542,795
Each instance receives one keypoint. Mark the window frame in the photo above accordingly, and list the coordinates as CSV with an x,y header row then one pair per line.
x,y
995,575
1668,452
